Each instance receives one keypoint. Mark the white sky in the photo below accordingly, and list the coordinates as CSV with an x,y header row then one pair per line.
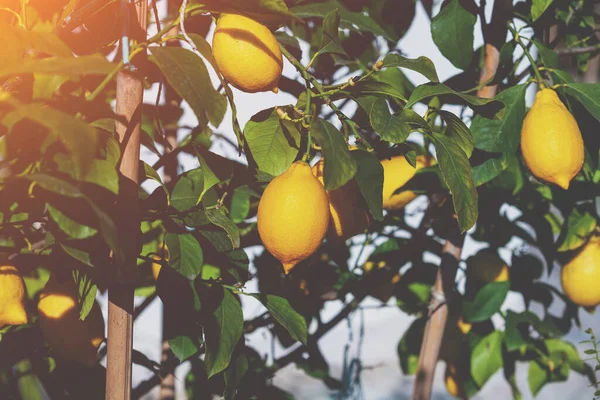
x,y
383,327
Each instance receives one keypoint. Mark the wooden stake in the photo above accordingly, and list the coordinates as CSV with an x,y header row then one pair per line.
x,y
120,294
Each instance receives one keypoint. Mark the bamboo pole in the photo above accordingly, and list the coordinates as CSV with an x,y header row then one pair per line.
x,y
120,293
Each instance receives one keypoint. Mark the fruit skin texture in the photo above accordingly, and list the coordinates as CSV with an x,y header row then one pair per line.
x,y
580,278
247,54
68,336
551,142
293,215
13,297
348,218
396,173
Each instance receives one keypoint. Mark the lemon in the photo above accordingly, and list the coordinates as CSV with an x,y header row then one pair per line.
x,y
396,173
67,335
293,215
156,267
348,218
485,267
551,142
452,381
247,54
463,326
580,278
13,297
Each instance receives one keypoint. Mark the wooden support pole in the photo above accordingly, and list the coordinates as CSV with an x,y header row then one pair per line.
x,y
120,293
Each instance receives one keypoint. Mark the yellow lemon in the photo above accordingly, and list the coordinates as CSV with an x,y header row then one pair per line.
x,y
293,215
463,326
396,173
486,267
247,54
156,267
551,142
452,380
348,218
67,335
581,276
13,297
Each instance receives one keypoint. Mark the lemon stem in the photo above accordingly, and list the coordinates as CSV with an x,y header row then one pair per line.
x,y
534,66
306,122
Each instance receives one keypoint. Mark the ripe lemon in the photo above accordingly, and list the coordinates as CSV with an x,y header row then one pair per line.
x,y
293,215
68,336
247,54
396,173
13,297
156,267
551,142
452,380
348,218
463,326
581,276
485,267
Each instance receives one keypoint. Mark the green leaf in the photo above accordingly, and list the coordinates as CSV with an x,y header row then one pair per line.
x,y
578,228
187,190
185,254
100,172
587,94
218,217
233,376
456,172
283,313
215,169
409,346
369,177
489,108
458,131
77,254
571,353
270,12
422,65
487,302
503,135
452,31
78,137
389,127
348,19
69,226
486,357
549,56
223,334
240,204
187,74
516,325
538,7
151,173
372,87
95,64
537,377
273,142
184,347
330,39
339,166
86,293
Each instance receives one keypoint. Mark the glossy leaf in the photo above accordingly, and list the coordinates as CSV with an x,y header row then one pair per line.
x,y
456,172
218,217
222,338
486,357
577,230
339,166
285,315
457,130
587,94
487,302
184,346
233,376
452,31
422,65
69,226
273,143
389,127
538,7
369,177
240,204
330,40
87,290
185,254
371,87
188,76
187,190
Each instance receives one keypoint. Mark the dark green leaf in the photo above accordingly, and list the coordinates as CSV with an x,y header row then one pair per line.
x,y
185,254
151,173
77,254
458,131
422,65
222,338
503,135
452,31
456,172
549,56
587,94
218,217
69,226
86,293
273,142
389,127
409,346
487,107
184,347
486,357
371,87
488,170
269,12
330,40
240,204
187,74
187,190
283,313
578,228
487,302
538,7
516,326
339,166
233,376
369,177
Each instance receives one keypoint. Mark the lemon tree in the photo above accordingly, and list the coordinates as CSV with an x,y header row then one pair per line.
x,y
368,176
